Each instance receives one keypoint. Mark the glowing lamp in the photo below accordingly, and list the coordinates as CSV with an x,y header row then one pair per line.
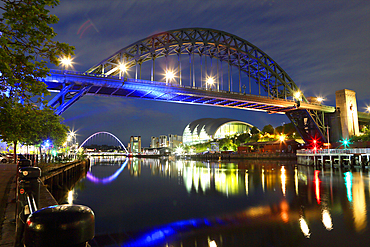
x,y
282,138
170,75
122,67
320,99
297,95
210,81
47,144
66,61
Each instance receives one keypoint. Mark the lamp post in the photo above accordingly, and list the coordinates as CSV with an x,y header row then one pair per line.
x,y
209,82
71,139
66,62
122,70
297,96
170,75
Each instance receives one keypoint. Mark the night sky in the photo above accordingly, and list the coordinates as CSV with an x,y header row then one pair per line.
x,y
324,46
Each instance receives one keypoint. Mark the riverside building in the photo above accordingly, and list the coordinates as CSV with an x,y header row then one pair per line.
x,y
207,129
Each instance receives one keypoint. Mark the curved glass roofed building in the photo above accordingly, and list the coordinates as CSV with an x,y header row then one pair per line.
x,y
205,129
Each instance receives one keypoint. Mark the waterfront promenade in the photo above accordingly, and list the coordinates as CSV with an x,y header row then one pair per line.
x,y
7,204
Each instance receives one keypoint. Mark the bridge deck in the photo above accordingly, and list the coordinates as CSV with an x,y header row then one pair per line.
x,y
160,91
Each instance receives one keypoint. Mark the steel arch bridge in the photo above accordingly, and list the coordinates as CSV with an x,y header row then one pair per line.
x,y
208,67
223,46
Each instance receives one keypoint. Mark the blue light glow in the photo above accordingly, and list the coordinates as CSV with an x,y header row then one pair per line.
x,y
47,144
158,236
348,183
109,179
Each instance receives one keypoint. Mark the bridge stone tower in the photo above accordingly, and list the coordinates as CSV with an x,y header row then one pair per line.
x,y
346,102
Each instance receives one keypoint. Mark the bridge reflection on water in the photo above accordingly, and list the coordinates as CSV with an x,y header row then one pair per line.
x,y
153,202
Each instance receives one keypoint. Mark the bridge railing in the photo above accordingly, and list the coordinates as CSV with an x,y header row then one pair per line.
x,y
72,72
336,151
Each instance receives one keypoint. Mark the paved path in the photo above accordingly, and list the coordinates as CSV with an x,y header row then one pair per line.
x,y
7,204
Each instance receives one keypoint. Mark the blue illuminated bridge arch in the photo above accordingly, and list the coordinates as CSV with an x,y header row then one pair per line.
x,y
222,46
208,66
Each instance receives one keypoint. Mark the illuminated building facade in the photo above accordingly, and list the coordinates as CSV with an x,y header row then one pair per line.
x,y
171,141
174,141
135,144
206,129
162,141
346,102
154,141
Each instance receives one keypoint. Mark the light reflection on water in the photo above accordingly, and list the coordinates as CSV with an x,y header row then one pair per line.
x,y
281,203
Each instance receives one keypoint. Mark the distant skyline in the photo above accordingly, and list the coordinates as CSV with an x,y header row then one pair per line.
x,y
324,46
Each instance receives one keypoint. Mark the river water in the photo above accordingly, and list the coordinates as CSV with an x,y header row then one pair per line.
x,y
161,202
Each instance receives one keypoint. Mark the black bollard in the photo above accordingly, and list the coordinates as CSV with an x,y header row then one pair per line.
x,y
25,163
61,225
27,198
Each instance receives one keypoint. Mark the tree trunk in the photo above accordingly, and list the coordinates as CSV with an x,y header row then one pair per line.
x,y
15,152
40,154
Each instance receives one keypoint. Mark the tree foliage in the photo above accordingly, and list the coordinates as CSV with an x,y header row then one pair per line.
x,y
254,130
27,47
287,129
268,129
31,125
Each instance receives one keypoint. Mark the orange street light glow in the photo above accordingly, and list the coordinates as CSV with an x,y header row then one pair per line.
x,y
282,138
320,99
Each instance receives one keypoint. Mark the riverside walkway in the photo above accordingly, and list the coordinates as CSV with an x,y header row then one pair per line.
x,y
8,203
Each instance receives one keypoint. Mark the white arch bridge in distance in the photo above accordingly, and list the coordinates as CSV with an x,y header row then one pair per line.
x,y
104,153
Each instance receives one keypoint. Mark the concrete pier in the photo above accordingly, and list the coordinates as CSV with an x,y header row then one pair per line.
x,y
335,157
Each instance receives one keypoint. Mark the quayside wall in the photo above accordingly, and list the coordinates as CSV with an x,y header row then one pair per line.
x,y
58,179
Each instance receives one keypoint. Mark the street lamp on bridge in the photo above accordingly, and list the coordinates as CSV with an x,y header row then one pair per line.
x,y
297,96
123,69
209,82
170,75
320,99
66,61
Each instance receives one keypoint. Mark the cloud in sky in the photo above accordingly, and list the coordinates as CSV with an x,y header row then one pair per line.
x,y
323,45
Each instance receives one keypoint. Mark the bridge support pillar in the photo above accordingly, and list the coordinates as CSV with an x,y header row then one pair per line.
x,y
346,102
